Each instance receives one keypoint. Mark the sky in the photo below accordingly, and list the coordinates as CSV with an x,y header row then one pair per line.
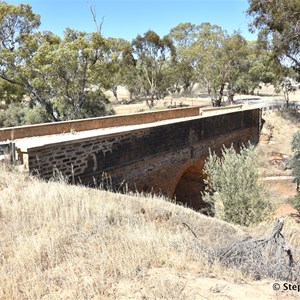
x,y
128,18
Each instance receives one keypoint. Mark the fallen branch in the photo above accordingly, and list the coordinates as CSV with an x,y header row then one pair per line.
x,y
186,225
269,257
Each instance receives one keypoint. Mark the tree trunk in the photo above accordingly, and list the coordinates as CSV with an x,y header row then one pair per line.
x,y
286,95
115,92
221,92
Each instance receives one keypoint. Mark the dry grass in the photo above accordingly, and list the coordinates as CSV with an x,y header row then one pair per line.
x,y
141,106
273,152
279,128
70,242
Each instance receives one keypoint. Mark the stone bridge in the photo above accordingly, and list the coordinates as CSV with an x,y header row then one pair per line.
x,y
161,152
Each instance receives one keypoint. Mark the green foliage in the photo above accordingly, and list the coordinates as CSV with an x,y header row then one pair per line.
x,y
260,66
295,201
208,58
153,58
295,161
59,75
10,93
18,114
114,67
34,115
208,54
183,37
233,188
278,22
295,166
15,23
12,116
67,77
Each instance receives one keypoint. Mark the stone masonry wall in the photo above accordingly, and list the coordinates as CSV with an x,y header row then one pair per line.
x,y
147,159
95,123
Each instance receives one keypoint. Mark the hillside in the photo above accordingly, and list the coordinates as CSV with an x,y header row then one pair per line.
x,y
69,242
274,150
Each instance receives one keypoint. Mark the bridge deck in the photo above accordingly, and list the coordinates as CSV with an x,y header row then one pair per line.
x,y
40,141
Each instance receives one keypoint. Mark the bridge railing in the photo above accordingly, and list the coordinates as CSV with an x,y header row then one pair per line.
x,y
12,133
209,111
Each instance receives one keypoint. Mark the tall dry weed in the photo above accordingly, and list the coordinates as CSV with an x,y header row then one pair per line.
x,y
68,242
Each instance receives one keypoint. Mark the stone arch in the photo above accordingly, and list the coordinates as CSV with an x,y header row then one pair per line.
x,y
189,184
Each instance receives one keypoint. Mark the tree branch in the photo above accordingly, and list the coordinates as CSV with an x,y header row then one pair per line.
x,y
293,59
94,14
10,80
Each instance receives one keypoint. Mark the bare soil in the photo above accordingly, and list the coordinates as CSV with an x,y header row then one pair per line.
x,y
274,150
198,97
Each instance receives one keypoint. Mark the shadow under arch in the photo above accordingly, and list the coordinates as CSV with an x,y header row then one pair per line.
x,y
189,184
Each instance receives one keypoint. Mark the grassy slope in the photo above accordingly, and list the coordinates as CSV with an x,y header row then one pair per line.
x,y
276,139
69,242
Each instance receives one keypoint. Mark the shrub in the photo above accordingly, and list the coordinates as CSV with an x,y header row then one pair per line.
x,y
233,188
295,161
12,116
17,114
34,115
294,201
294,164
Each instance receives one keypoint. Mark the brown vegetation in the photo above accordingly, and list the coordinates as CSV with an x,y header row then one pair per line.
x,y
71,242
274,151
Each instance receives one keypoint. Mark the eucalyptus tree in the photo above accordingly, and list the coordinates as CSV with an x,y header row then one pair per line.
x,y
153,57
130,73
233,64
220,59
17,23
207,51
278,22
260,67
55,73
10,93
114,64
183,37
20,42
76,89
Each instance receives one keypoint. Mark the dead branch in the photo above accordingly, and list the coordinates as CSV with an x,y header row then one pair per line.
x,y
269,257
186,225
94,15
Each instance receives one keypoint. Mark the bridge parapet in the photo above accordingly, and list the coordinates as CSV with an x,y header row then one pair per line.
x,y
147,158
12,133
210,111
